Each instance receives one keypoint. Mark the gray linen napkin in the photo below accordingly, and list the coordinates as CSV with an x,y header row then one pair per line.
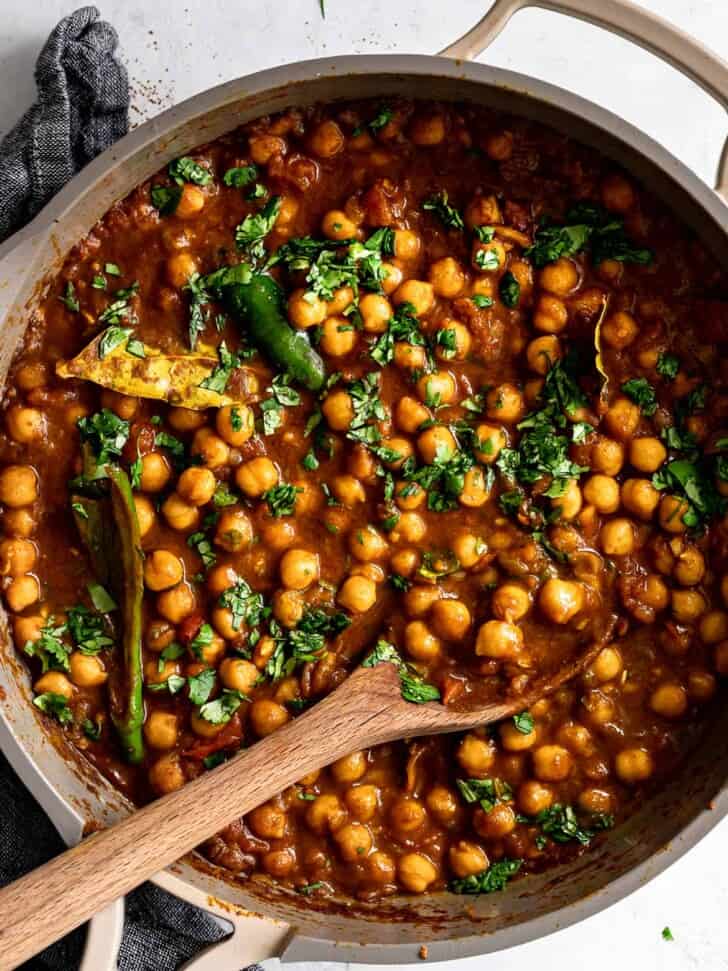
x,y
82,107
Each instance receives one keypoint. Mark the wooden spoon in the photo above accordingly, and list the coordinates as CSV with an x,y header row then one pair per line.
x,y
367,709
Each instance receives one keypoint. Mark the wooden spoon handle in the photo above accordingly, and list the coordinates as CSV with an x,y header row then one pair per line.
x,y
49,902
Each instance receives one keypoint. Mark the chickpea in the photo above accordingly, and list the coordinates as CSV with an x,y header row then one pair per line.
x,y
500,821
191,202
156,472
418,599
409,357
266,716
620,330
560,277
534,797
500,640
498,146
561,600
690,567
256,476
354,841
447,278
237,674
342,300
87,671
633,765
54,682
617,537
338,337
476,755
221,578
406,244
349,768
279,534
263,148
185,419
409,414
504,403
542,353
513,739
617,194
469,549
166,774
436,443
18,486
179,269
161,730
393,276
357,594
701,685
401,449
607,665
640,497
551,315
196,485
607,456
714,627
22,592
417,292
569,502
647,454
420,643
687,605
362,802
146,516
416,872
235,424
380,868
305,309
602,492
325,814
453,341
338,410
269,821
180,514
25,425
31,376
213,450
622,418
367,544
162,570
17,556
551,763
720,657
153,674
234,531
671,513
27,629
288,607
176,604
669,700
510,602
19,522
467,859
326,140
476,489
450,619
427,131
299,569
376,312
490,439
443,805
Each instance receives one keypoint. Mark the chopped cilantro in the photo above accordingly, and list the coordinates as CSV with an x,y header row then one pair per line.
x,y
241,176
49,648
524,722
185,169
642,393
413,687
203,638
491,880
667,934
667,366
487,792
222,709
587,226
166,198
203,547
281,499
106,433
251,232
69,298
220,375
244,605
447,214
509,289
201,685
55,705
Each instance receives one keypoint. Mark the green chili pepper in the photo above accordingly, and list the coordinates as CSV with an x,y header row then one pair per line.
x,y
258,305
109,528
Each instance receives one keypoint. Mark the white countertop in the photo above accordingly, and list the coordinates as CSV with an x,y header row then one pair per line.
x,y
174,49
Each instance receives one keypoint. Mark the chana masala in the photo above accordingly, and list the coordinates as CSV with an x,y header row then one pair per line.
x,y
378,381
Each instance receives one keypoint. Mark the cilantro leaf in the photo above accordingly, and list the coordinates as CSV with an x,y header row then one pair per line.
x,y
413,687
185,169
166,198
222,709
241,176
55,705
69,298
447,214
281,499
251,232
668,365
491,880
524,722
201,685
509,289
106,433
642,393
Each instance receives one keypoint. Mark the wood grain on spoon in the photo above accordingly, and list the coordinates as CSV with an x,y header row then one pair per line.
x,y
367,709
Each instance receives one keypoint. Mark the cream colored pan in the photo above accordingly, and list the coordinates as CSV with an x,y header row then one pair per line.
x,y
269,921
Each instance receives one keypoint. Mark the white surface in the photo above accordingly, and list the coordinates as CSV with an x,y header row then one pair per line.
x,y
175,49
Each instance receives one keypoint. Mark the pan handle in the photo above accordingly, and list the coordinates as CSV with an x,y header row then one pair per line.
x,y
622,17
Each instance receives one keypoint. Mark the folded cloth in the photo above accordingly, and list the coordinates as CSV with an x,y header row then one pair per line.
x,y
82,108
